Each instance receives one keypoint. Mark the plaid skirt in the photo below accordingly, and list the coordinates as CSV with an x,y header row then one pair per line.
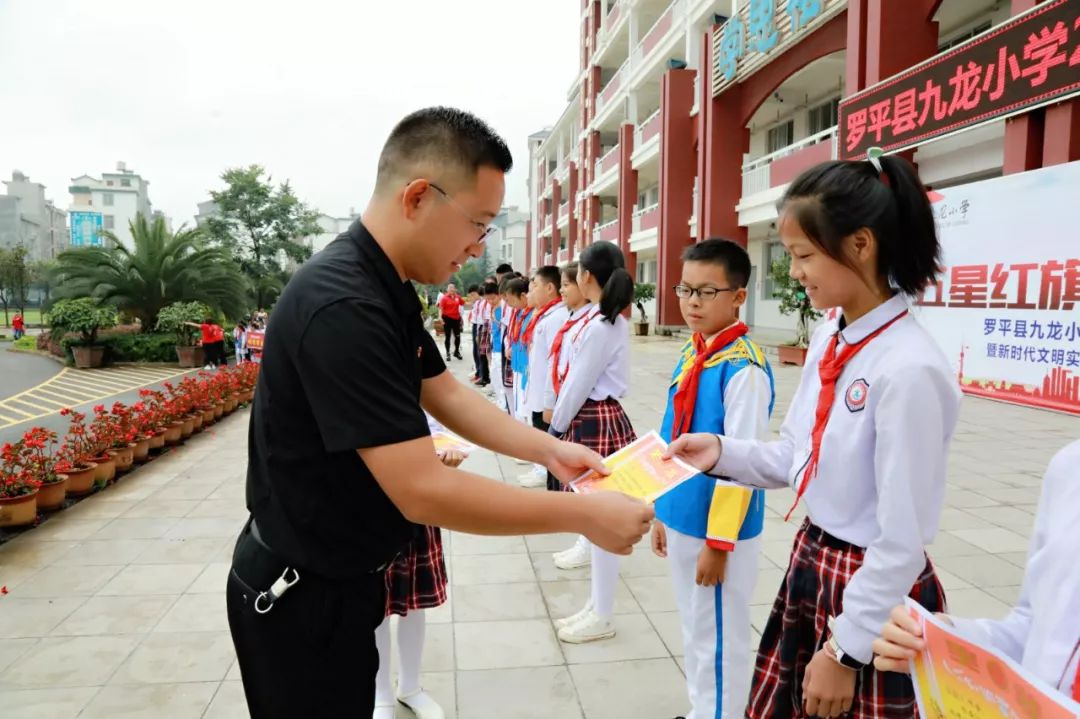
x,y
416,579
602,426
821,567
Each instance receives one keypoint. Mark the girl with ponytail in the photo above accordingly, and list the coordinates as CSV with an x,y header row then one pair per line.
x,y
587,411
864,443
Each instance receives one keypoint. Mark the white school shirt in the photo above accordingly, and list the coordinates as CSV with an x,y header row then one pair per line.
x,y
539,362
599,367
1042,632
880,482
564,354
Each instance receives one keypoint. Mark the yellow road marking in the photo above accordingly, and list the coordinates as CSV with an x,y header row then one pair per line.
x,y
77,387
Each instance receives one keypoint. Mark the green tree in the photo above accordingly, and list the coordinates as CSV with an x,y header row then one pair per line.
x,y
161,269
260,225
793,299
42,273
14,279
84,315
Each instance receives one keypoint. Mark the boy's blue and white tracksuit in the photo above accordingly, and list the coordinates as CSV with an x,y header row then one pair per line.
x,y
735,397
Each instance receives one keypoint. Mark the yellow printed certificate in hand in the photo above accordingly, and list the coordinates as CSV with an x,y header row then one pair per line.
x,y
638,470
958,679
446,441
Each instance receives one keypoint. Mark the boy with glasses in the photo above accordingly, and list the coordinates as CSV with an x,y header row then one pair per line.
x,y
710,529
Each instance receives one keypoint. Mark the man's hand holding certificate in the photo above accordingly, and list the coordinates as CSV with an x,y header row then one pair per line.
x,y
638,470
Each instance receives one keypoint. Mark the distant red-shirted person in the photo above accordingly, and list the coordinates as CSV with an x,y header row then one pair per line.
x,y
17,325
450,307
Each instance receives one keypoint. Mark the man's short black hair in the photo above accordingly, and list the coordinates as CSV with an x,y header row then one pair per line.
x,y
473,288
490,288
452,143
550,273
725,253
503,269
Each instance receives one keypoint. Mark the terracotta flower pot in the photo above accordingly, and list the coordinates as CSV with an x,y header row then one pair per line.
x,y
52,495
18,511
106,468
196,422
87,357
208,416
171,435
230,404
190,356
141,452
249,396
187,427
219,409
81,480
123,457
157,441
788,354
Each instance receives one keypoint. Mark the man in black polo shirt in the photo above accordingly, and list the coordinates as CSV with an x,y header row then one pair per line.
x,y
341,464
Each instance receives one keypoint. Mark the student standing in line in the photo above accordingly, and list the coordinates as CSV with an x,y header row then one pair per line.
x,y
1042,632
588,411
498,329
513,292
538,337
864,443
519,353
710,529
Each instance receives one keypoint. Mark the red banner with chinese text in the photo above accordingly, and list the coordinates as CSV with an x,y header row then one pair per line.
x,y
1028,61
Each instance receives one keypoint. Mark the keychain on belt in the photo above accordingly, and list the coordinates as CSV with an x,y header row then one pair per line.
x,y
281,585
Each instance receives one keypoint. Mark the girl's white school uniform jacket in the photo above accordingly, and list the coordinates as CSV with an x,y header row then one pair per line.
x,y
880,482
560,363
539,358
1042,632
600,367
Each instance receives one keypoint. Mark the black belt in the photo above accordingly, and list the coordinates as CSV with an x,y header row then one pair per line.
x,y
819,535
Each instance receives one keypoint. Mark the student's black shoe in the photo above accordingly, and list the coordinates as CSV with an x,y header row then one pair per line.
x,y
447,358
458,355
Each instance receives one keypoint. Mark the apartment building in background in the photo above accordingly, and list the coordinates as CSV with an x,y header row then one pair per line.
x,y
689,118
109,203
30,220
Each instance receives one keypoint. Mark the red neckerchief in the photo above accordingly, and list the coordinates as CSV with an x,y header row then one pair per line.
x,y
829,369
556,350
538,315
589,316
686,395
515,325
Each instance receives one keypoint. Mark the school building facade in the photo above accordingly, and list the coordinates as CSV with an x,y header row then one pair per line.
x,y
689,118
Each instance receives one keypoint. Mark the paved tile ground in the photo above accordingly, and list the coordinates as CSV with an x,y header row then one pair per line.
x,y
116,607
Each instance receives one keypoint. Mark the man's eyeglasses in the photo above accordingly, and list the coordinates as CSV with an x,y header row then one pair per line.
x,y
485,230
705,293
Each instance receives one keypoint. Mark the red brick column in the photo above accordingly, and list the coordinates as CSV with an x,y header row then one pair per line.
x,y
676,185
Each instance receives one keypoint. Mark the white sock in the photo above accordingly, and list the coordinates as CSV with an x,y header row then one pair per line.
x,y
384,692
410,641
605,575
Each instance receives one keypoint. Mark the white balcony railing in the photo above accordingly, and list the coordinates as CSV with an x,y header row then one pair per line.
x,y
646,127
757,174
693,203
606,162
609,231
665,24
636,224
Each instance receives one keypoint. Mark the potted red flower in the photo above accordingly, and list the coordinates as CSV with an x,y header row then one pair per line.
x,y
37,454
101,431
123,437
18,489
74,457
141,451
153,418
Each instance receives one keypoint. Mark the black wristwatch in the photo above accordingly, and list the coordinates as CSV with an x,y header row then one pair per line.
x,y
843,657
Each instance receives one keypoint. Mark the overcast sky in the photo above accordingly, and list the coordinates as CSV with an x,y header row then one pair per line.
x,y
309,89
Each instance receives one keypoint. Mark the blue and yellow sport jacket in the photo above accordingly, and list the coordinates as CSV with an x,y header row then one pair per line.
x,y
701,507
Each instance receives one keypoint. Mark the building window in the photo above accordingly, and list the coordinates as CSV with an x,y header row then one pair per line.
x,y
109,183
774,250
110,222
965,36
108,199
781,136
824,116
125,183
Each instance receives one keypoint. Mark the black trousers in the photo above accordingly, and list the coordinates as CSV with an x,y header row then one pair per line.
x,y
313,654
452,327
538,421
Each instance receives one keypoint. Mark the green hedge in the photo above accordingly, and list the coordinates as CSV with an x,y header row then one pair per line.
x,y
146,347
26,342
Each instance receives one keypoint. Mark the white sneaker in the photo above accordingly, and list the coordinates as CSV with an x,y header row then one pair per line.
x,y
531,479
575,617
578,556
422,705
590,628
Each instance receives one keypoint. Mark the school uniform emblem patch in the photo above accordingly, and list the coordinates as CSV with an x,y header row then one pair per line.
x,y
856,395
